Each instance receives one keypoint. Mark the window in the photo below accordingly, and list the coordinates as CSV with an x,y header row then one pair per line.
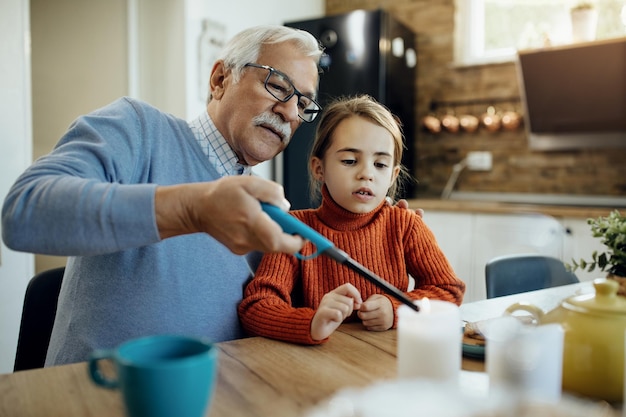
x,y
490,31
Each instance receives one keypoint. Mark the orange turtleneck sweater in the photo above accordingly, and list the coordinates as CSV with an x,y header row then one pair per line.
x,y
392,242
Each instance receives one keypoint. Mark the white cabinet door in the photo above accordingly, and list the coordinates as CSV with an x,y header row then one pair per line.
x,y
579,243
506,234
453,231
470,240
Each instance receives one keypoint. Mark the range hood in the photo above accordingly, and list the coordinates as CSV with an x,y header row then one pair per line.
x,y
575,96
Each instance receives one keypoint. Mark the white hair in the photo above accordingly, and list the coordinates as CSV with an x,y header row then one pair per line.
x,y
245,46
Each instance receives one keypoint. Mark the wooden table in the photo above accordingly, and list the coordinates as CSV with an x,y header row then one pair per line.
x,y
257,376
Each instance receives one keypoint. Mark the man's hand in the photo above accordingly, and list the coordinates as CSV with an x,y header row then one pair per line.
x,y
402,203
334,308
228,209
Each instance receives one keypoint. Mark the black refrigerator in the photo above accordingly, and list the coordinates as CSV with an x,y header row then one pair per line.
x,y
367,52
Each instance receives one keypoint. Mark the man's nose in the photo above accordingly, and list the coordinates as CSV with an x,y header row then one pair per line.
x,y
288,109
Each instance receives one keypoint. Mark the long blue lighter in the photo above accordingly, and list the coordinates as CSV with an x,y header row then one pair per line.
x,y
324,246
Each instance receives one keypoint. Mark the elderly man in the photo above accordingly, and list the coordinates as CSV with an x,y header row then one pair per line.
x,y
155,212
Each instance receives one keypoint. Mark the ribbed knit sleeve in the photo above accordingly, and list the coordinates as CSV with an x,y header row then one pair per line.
x,y
280,301
428,265
267,308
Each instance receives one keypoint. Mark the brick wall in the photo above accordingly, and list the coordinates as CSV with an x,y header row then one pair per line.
x,y
515,167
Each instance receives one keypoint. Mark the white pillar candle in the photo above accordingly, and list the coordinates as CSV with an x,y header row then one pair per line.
x,y
429,341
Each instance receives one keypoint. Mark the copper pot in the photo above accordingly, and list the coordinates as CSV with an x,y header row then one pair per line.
x,y
469,123
511,120
450,123
432,124
491,120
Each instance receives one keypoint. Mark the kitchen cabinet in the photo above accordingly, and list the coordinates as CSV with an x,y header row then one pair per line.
x,y
470,239
504,234
454,234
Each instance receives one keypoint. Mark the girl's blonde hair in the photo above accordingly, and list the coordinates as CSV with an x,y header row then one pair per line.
x,y
363,106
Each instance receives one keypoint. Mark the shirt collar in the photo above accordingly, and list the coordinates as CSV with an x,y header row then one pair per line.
x,y
216,148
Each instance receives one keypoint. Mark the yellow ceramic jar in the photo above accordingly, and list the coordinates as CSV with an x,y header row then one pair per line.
x,y
593,353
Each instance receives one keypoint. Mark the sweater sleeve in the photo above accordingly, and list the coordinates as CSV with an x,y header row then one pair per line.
x,y
267,307
428,265
82,198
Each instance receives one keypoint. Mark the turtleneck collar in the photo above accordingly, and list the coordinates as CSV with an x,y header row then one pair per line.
x,y
338,218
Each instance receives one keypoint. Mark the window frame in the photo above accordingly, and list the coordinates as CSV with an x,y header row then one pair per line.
x,y
469,33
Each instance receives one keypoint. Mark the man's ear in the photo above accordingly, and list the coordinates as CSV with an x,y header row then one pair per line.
x,y
217,79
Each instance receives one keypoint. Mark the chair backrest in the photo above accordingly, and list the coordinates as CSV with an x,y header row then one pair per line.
x,y
512,274
38,313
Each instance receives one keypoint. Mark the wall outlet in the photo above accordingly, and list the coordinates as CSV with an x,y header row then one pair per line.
x,y
479,161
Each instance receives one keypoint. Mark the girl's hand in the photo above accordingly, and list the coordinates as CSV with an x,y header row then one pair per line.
x,y
377,313
334,308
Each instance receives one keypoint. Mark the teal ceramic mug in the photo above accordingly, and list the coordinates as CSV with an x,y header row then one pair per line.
x,y
160,376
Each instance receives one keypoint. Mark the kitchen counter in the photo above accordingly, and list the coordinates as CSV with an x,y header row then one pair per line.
x,y
471,232
491,205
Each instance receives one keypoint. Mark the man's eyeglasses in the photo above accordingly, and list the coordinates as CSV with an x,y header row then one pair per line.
x,y
282,89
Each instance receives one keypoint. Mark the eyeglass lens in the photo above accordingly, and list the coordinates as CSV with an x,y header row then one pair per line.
x,y
282,89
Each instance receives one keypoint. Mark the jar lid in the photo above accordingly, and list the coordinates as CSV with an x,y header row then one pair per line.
x,y
605,300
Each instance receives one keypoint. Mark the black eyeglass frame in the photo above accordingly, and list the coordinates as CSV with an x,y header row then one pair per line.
x,y
305,111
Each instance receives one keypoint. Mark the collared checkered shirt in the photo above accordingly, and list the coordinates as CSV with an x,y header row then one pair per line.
x,y
215,147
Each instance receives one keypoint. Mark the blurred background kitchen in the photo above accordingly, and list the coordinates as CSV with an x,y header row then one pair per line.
x,y
469,139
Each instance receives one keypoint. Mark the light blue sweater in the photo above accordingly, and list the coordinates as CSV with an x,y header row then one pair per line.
x,y
92,199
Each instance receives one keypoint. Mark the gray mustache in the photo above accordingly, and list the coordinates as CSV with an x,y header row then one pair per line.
x,y
275,122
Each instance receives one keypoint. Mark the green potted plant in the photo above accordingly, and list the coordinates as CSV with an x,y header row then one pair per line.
x,y
612,232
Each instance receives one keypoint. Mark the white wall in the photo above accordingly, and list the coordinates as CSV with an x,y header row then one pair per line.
x,y
15,155
96,65
173,85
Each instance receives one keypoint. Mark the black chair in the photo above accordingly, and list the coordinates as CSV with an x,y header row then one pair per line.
x,y
38,313
512,274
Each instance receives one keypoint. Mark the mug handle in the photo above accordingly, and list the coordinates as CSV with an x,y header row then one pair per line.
x,y
534,311
94,369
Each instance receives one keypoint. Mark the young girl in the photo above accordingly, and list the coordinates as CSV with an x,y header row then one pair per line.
x,y
355,163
